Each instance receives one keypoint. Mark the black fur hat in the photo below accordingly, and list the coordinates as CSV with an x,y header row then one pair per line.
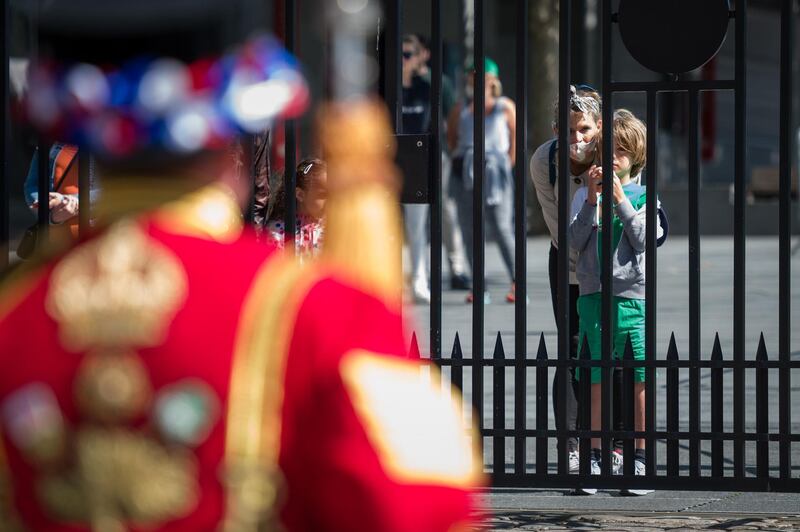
x,y
112,31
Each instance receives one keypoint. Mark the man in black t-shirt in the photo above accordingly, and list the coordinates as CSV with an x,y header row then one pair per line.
x,y
416,97
451,232
416,119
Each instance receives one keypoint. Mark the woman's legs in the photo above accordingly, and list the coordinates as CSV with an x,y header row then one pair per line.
x,y
463,200
451,231
499,219
416,219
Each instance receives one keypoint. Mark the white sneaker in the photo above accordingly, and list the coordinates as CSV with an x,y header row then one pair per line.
x,y
574,462
594,466
421,293
616,462
638,470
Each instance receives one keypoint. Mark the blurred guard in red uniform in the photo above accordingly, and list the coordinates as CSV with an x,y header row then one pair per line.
x,y
168,373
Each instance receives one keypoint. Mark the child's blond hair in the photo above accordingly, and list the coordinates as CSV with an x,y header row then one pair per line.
x,y
630,136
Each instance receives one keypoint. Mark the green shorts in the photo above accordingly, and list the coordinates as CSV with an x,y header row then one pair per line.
x,y
628,318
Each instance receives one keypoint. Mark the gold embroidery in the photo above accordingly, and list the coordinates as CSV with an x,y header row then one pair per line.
x,y
252,478
416,428
118,290
111,296
112,387
121,477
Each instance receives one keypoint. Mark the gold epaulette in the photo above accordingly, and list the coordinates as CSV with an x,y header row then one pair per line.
x,y
363,235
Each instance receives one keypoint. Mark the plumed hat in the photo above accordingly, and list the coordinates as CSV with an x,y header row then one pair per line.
x,y
122,77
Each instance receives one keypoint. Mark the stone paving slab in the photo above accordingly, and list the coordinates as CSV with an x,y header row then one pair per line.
x,y
611,500
532,509
557,521
777,503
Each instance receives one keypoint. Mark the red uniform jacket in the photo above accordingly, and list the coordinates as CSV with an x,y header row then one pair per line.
x,y
152,377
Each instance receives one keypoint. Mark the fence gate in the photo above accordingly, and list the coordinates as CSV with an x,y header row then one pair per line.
x,y
671,38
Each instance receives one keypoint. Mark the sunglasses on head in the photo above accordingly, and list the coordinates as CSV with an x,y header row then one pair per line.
x,y
585,87
407,54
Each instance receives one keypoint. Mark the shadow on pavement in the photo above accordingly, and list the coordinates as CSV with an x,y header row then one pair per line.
x,y
555,521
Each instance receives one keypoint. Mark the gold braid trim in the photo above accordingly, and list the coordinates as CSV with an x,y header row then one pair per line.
x,y
253,435
363,235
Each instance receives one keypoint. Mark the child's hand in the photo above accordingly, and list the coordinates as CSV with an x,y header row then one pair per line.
x,y
619,194
595,184
55,199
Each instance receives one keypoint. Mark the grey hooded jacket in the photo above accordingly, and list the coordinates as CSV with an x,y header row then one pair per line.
x,y
628,260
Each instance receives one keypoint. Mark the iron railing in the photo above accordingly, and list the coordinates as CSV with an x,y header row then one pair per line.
x,y
673,472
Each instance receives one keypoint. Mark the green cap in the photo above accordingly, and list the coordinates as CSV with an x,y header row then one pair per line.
x,y
489,67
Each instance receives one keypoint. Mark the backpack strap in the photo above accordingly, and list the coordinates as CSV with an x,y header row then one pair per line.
x,y
57,186
552,160
662,219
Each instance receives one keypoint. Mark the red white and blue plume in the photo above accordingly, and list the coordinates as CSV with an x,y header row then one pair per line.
x,y
160,103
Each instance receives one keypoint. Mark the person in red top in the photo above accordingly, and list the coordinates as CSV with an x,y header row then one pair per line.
x,y
170,373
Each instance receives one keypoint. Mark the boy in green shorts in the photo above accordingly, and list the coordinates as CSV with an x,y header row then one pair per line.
x,y
628,263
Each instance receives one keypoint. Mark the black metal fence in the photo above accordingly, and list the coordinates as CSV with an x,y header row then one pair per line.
x,y
512,447
508,457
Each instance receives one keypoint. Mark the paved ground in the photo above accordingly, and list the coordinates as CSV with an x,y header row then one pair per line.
x,y
518,510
